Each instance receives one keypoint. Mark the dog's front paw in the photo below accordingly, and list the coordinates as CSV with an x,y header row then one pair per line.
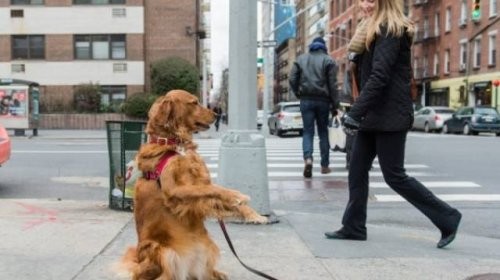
x,y
257,219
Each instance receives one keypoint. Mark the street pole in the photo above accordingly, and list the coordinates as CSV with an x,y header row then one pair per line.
x,y
267,16
496,83
204,80
242,154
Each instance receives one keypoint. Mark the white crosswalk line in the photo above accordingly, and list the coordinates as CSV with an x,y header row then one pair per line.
x,y
301,165
445,197
298,174
441,184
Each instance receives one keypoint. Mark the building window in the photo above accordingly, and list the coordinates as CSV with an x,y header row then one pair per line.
x,y
477,53
463,12
415,67
112,97
447,62
426,27
463,55
447,27
28,47
436,64
100,47
425,72
492,54
98,2
436,24
493,8
26,2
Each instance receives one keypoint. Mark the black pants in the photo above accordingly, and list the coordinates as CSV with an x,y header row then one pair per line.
x,y
390,148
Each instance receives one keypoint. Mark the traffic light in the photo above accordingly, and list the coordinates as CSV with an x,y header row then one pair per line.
x,y
476,9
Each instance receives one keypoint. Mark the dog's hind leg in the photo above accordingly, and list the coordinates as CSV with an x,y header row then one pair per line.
x,y
149,257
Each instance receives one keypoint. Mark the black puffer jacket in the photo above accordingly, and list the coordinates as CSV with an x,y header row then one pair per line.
x,y
314,76
384,75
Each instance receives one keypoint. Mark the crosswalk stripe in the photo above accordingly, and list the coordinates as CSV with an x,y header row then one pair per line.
x,y
445,197
442,184
301,165
298,174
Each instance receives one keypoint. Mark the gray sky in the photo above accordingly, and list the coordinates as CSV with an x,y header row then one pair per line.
x,y
220,39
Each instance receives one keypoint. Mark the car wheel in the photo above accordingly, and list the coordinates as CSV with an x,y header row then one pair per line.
x,y
279,133
466,130
427,129
498,133
445,129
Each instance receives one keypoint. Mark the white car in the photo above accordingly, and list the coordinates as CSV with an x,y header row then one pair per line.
x,y
285,117
432,118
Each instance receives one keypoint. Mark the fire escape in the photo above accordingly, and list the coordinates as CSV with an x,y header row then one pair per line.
x,y
426,40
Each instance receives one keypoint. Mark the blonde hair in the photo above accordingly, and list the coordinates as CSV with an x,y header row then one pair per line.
x,y
391,14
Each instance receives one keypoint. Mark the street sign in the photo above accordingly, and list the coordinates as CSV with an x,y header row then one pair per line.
x,y
266,44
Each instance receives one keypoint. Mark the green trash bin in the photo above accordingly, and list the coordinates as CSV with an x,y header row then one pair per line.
x,y
124,140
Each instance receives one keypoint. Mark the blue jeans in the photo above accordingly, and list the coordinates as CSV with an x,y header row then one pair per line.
x,y
319,111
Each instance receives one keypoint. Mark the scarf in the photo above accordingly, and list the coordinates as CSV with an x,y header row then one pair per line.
x,y
358,41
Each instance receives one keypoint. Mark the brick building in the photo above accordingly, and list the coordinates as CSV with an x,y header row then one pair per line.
x,y
63,43
454,56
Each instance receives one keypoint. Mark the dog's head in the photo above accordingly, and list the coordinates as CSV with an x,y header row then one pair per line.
x,y
178,114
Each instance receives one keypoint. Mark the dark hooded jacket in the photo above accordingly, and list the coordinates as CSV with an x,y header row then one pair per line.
x,y
314,77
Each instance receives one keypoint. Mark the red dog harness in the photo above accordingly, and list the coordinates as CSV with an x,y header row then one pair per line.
x,y
155,175
153,139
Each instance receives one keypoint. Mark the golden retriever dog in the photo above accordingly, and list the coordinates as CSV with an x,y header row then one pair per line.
x,y
176,196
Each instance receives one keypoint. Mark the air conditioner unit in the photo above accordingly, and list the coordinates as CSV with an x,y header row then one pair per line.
x,y
462,67
418,2
462,22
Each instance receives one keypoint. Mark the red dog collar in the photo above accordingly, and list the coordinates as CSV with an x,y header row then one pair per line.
x,y
154,139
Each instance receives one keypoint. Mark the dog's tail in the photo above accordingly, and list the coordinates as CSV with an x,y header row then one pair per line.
x,y
127,265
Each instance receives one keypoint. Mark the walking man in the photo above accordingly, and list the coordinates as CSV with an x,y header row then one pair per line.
x,y
313,80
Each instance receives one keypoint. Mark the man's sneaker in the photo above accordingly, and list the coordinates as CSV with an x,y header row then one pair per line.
x,y
308,168
325,170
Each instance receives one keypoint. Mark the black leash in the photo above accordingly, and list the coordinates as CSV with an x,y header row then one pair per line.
x,y
261,274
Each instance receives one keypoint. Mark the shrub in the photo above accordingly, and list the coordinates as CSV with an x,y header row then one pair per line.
x,y
174,73
138,104
87,98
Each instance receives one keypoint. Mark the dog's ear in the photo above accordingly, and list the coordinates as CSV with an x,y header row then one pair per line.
x,y
166,115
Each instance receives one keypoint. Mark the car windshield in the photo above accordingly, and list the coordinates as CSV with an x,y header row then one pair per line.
x,y
445,111
291,109
486,111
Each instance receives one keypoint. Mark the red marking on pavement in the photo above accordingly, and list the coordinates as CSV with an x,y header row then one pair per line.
x,y
50,216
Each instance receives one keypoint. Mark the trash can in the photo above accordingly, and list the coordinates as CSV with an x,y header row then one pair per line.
x,y
124,140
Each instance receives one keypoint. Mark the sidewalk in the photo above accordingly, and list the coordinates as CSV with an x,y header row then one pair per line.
x,y
44,239
82,240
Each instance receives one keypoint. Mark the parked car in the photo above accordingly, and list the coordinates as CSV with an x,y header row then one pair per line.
x,y
432,118
472,120
4,145
285,117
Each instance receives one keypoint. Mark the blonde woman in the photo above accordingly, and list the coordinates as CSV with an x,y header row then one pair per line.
x,y
382,115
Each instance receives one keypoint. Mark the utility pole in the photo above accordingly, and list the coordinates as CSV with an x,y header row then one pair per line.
x,y
267,19
242,154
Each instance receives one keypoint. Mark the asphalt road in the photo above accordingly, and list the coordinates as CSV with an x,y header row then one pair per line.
x,y
77,169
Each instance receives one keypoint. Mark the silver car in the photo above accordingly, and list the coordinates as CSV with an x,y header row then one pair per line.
x,y
285,117
432,118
